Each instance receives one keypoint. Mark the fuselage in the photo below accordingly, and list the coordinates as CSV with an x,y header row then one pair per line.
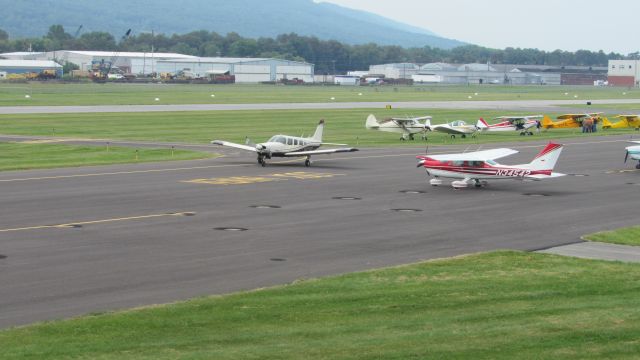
x,y
509,126
634,152
279,145
478,169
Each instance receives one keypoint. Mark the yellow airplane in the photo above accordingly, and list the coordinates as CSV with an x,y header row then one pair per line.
x,y
627,121
570,120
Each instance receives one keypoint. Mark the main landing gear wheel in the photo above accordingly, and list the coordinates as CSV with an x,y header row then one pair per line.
x,y
307,163
411,137
453,136
261,161
463,136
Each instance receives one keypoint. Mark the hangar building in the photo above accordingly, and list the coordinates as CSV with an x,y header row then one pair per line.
x,y
624,73
29,66
246,70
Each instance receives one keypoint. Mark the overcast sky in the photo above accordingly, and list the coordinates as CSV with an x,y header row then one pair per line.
x,y
543,24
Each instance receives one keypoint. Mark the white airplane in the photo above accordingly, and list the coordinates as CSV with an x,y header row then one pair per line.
x,y
511,123
288,146
457,127
405,126
633,152
475,167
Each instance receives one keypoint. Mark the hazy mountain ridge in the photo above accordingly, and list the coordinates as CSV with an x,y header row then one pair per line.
x,y
250,18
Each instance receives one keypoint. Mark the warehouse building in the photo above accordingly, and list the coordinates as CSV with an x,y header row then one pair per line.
x,y
245,70
394,71
624,73
8,67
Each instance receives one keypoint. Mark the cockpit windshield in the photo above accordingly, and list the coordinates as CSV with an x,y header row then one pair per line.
x,y
458,123
279,139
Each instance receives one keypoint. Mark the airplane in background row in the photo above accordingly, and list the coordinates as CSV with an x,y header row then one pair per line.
x,y
633,152
478,166
512,123
626,121
288,146
571,120
458,127
407,126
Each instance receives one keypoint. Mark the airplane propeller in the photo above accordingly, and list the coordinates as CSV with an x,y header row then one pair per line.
x,y
626,156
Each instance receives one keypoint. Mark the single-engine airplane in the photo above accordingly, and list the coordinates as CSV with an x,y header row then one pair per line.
x,y
405,126
458,127
633,152
288,146
571,120
626,121
475,167
511,123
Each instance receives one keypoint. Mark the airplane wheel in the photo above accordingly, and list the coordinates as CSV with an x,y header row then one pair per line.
x,y
638,166
463,136
522,134
531,133
453,136
411,137
402,139
307,163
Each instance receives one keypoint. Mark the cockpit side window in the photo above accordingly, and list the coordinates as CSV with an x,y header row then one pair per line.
x,y
289,141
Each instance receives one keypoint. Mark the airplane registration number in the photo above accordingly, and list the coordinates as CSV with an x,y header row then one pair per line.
x,y
513,172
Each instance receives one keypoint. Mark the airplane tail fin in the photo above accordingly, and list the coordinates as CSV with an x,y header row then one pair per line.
x,y
481,124
372,122
606,124
547,122
317,136
547,158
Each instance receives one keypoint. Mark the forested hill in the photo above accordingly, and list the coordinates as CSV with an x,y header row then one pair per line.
x,y
249,18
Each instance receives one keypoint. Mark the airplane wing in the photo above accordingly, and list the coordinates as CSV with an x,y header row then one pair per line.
x,y
629,117
542,177
320,152
572,116
476,155
234,145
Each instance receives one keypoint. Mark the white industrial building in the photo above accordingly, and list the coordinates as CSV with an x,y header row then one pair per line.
x,y
394,71
246,70
624,72
29,66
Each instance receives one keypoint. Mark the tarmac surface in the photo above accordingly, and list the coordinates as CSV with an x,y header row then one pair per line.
x,y
81,240
525,105
597,250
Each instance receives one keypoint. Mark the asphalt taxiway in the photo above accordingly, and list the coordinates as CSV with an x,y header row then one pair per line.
x,y
523,105
81,240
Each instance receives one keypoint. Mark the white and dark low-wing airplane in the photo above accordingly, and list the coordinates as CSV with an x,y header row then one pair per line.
x,y
478,166
511,123
289,146
405,126
457,127
633,152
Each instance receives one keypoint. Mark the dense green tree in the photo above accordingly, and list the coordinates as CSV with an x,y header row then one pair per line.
x,y
329,56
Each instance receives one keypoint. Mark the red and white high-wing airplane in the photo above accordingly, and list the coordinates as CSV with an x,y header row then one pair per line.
x,y
478,166
511,123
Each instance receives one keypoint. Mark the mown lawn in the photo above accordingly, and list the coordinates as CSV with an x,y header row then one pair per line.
x,y
624,236
343,125
21,156
500,305
14,94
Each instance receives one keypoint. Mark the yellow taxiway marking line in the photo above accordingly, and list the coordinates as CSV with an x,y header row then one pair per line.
x,y
42,141
243,180
68,225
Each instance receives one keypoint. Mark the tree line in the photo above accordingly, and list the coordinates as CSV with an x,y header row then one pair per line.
x,y
329,56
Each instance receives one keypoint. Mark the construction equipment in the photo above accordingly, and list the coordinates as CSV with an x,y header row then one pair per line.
x,y
100,69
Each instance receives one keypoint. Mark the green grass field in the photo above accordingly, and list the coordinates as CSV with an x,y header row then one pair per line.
x,y
344,126
121,94
20,156
625,236
501,305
